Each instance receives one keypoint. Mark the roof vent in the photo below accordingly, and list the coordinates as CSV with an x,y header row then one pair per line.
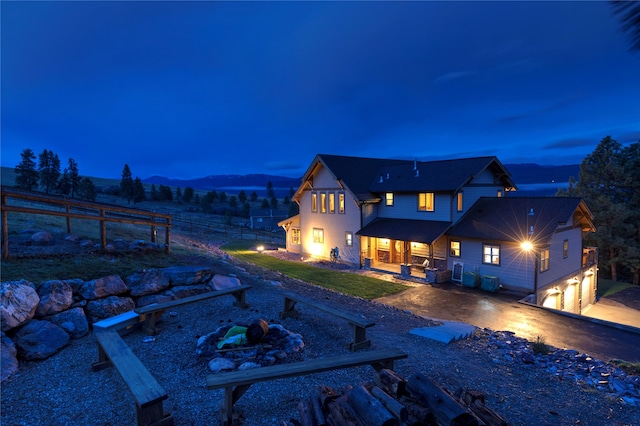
x,y
387,175
531,212
417,172
415,165
381,180
531,230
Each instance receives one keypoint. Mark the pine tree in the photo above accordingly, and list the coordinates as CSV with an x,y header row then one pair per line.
x,y
138,191
233,201
254,197
242,196
48,170
293,210
274,202
178,194
270,192
631,249
126,184
265,204
64,183
188,194
26,173
87,190
74,176
155,195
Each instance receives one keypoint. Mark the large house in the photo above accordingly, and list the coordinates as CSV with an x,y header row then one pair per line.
x,y
446,220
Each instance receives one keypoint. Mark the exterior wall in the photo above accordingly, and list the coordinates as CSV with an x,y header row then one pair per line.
x,y
334,225
470,195
405,206
560,267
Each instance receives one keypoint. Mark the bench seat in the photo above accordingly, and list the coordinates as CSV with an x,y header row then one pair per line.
x,y
236,383
358,323
146,391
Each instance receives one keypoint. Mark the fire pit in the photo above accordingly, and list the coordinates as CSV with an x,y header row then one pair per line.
x,y
240,347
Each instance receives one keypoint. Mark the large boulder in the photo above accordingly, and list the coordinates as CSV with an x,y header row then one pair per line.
x,y
150,299
40,339
73,321
18,303
55,296
43,238
220,282
103,287
8,357
182,291
108,307
188,275
148,282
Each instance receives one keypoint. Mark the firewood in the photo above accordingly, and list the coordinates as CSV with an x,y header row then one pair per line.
x,y
391,383
306,416
369,409
316,408
326,396
398,410
340,413
487,415
447,409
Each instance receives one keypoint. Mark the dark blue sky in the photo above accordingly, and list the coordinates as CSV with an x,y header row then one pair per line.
x,y
189,89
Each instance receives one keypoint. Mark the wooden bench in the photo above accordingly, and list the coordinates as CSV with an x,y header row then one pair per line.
x,y
146,391
236,383
358,324
150,314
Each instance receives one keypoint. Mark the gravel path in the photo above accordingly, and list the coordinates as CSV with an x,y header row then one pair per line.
x,y
63,390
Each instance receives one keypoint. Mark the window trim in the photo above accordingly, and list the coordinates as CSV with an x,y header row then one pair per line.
x,y
341,202
323,202
348,237
388,199
332,202
318,235
565,249
427,196
451,252
459,202
295,236
314,202
484,254
544,261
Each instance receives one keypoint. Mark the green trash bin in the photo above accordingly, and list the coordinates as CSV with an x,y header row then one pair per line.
x,y
490,283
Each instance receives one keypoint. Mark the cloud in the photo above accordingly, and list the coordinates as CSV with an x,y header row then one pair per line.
x,y
570,143
454,76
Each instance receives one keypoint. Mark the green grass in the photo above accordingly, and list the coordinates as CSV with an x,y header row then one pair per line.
x,y
343,282
608,287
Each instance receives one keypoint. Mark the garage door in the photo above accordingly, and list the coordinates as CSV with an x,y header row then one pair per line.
x,y
586,292
569,298
551,301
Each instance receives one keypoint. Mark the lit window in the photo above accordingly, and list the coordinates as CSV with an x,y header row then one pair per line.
x,y
490,254
323,202
425,202
318,235
314,202
349,239
295,236
565,249
455,249
459,201
389,198
332,202
544,259
341,202
499,193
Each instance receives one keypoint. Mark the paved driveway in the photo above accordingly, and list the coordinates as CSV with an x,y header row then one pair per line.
x,y
501,311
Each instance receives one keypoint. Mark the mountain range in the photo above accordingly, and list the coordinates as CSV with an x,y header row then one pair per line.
x,y
527,175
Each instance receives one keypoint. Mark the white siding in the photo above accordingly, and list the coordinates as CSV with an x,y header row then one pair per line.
x,y
558,266
470,195
405,206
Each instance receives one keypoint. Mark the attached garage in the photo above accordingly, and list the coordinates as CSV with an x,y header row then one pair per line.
x,y
569,299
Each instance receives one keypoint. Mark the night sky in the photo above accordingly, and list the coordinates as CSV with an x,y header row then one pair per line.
x,y
190,89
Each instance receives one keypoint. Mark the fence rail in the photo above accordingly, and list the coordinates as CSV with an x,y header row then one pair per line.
x,y
13,200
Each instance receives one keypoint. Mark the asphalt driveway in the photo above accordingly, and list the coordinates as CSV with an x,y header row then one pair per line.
x,y
502,311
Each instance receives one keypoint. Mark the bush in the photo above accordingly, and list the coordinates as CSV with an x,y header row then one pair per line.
x,y
540,347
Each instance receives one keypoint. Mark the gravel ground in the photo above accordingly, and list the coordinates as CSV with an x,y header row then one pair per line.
x,y
63,390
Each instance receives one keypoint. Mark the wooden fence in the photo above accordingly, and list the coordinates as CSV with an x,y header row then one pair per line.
x,y
15,200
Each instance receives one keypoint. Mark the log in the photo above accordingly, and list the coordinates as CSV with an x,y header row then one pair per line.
x,y
487,415
445,407
398,410
316,408
326,396
391,383
306,416
369,409
339,413
419,415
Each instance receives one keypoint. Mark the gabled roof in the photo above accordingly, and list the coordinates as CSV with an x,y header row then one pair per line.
x,y
437,176
510,218
354,173
419,231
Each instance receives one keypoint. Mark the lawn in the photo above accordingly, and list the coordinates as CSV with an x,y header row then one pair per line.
x,y
608,287
343,282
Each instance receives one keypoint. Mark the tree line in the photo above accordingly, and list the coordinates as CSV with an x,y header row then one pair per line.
x,y
609,183
46,174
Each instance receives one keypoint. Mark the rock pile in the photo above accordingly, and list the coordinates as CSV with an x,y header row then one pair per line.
x,y
565,364
39,320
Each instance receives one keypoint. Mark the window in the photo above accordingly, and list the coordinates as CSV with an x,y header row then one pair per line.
x,y
349,239
332,202
318,235
425,202
295,236
341,202
499,195
389,198
454,250
544,259
459,201
323,202
565,249
491,254
314,202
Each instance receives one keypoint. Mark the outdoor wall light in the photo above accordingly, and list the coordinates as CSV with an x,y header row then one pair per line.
x,y
526,245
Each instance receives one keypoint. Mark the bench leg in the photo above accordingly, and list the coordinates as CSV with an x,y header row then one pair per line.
x,y
289,310
227,409
153,415
240,299
103,361
360,340
149,323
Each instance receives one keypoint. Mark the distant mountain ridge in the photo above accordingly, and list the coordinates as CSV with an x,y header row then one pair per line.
x,y
528,173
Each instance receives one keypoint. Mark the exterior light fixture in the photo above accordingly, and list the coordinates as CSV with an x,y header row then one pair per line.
x,y
526,245
260,249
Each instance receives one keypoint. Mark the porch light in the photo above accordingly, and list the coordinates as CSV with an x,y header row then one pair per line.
x,y
573,280
553,291
526,245
260,249
589,273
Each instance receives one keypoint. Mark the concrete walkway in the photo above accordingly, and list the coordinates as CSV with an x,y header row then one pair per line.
x,y
609,310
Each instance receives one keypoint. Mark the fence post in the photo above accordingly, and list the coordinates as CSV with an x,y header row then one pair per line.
x,y
68,209
103,230
168,235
